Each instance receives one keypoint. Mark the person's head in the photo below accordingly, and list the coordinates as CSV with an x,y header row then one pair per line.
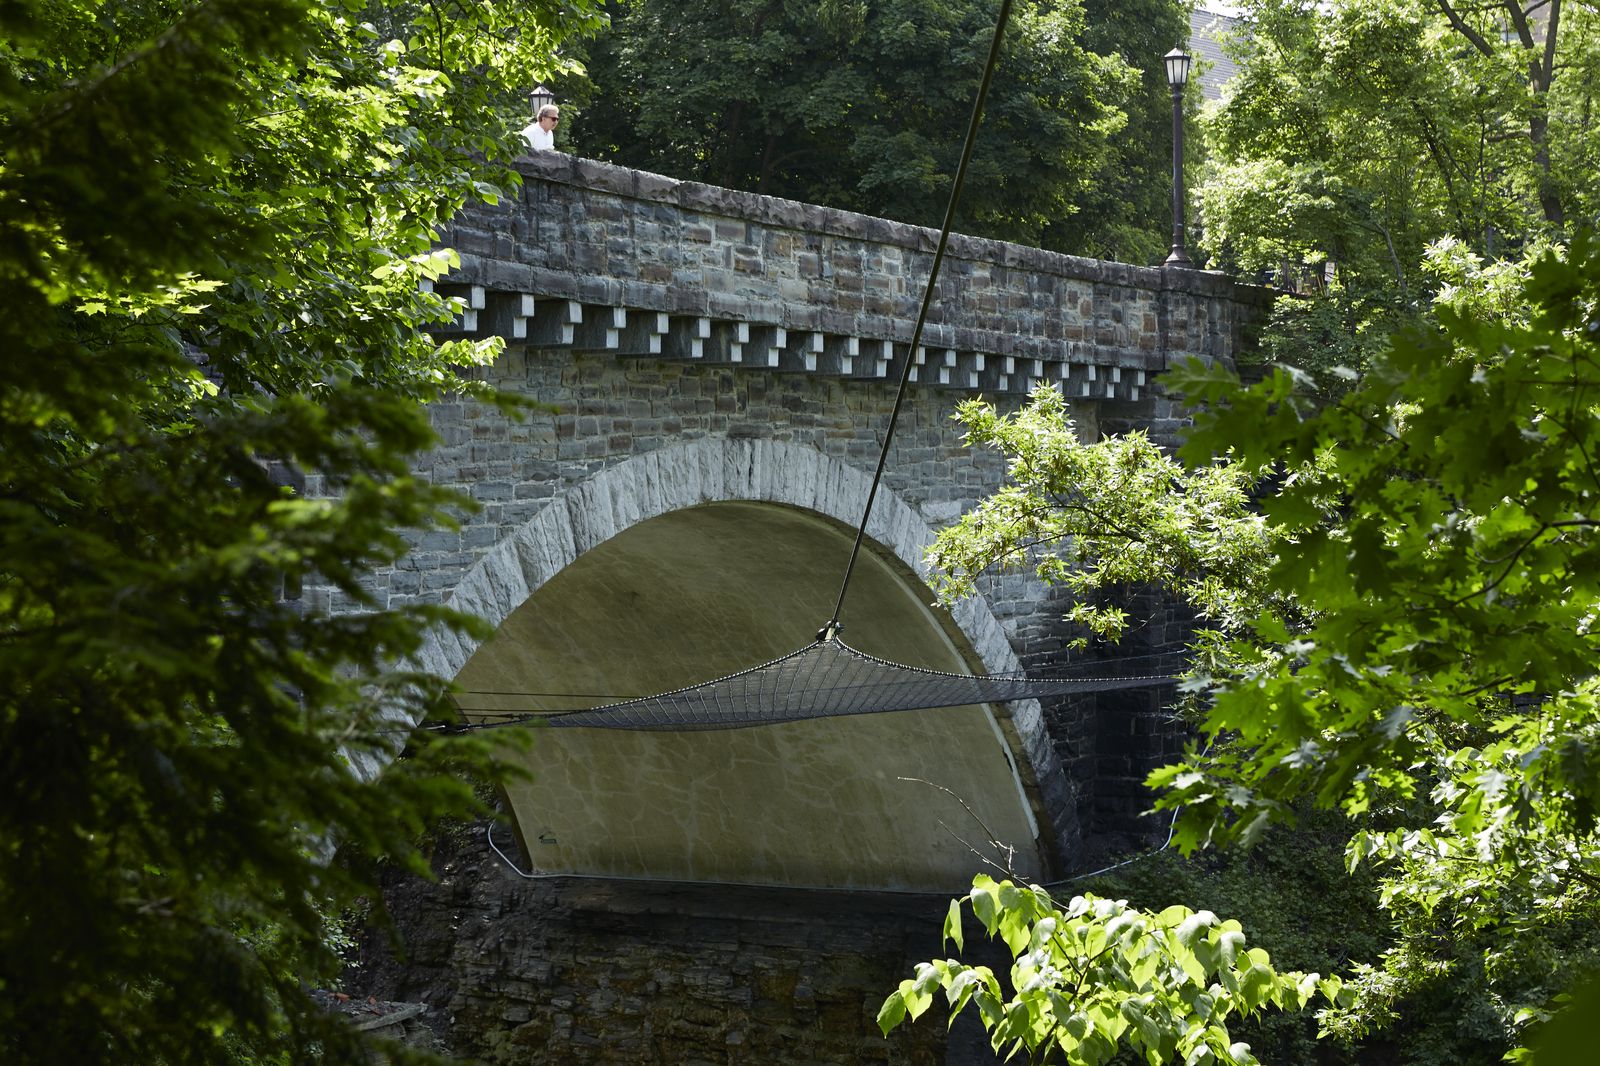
x,y
550,114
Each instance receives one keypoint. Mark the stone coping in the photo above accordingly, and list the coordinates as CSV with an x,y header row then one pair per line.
x,y
642,185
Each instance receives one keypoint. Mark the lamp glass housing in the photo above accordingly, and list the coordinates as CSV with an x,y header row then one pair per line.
x,y
1177,62
539,98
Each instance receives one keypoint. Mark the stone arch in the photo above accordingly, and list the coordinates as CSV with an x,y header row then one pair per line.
x,y
714,471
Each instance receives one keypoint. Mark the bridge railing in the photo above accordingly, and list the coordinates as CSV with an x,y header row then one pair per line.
x,y
604,259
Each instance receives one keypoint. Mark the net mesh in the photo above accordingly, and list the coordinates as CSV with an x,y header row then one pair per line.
x,y
822,680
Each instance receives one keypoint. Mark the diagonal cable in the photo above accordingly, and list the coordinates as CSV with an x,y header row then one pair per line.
x,y
927,300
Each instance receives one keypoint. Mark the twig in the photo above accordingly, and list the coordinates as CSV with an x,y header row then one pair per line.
x,y
995,842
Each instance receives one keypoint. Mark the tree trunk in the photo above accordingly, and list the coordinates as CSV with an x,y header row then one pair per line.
x,y
1541,72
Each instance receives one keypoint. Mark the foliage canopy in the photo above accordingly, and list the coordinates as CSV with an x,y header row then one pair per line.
x,y
217,216
1360,137
1400,625
1095,974
864,106
1361,132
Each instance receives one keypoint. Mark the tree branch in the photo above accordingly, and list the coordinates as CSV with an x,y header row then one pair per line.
x,y
1511,563
1465,30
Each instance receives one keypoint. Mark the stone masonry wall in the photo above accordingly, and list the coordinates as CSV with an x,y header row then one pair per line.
x,y
652,311
820,290
645,313
620,973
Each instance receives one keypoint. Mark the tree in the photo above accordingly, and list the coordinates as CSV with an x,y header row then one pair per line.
x,y
1125,213
1405,633
864,106
1361,132
1360,136
217,216
1450,655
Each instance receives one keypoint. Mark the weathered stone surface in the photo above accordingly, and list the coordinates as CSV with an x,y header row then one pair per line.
x,y
631,439
614,973
603,235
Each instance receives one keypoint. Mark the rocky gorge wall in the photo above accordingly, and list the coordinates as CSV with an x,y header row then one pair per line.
x,y
619,973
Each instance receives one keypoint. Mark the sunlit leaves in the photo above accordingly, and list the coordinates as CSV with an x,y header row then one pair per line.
x,y
1094,975
1448,650
1422,590
1459,569
1359,132
1096,516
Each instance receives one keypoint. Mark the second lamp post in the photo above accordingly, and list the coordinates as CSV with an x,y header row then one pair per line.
x,y
1177,62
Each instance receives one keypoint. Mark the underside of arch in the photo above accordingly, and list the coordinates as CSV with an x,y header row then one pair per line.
x,y
572,581
702,592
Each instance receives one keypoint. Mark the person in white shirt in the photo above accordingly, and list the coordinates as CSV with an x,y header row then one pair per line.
x,y
541,133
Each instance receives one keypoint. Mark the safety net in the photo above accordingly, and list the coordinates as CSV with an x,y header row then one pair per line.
x,y
825,679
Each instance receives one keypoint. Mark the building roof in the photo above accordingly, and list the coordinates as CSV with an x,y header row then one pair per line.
x,y
1216,68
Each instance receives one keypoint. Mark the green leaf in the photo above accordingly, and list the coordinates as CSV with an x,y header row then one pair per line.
x,y
963,983
1191,928
892,1013
917,994
952,924
1015,931
1230,943
985,903
1257,986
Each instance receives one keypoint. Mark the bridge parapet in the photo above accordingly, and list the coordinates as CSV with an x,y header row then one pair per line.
x,y
599,258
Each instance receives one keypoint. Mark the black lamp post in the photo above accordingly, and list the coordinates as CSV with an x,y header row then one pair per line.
x,y
1177,62
539,98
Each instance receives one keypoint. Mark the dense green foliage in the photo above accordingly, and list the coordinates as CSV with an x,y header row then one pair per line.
x,y
1406,633
864,105
1126,212
1360,134
1442,522
1441,516
1293,894
217,216
1102,516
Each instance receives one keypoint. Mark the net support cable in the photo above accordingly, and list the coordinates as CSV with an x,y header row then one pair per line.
x,y
828,678
825,679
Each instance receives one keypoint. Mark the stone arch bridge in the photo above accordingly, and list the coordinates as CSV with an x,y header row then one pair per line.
x,y
716,370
